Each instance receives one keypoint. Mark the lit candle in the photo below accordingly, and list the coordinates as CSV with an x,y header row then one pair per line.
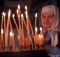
x,y
36,31
7,29
9,13
15,22
41,34
18,6
26,12
27,21
22,19
2,31
12,43
35,19
18,11
4,23
2,37
11,38
2,20
40,30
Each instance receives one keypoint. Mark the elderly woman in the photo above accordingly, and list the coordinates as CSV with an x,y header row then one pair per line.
x,y
50,21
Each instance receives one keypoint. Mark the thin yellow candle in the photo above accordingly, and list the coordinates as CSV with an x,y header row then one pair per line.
x,y
31,28
10,38
4,26
22,29
26,12
7,29
28,29
18,6
12,43
2,37
2,31
35,19
15,22
19,20
2,20
40,30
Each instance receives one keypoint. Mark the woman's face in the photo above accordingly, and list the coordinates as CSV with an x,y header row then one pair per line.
x,y
47,19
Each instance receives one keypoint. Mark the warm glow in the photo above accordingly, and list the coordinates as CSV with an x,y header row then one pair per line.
x,y
40,28
18,6
26,14
40,36
26,7
9,13
1,31
22,15
36,29
13,15
36,15
3,14
17,10
11,33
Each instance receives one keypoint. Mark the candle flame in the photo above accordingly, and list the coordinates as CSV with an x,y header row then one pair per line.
x,y
10,33
9,13
13,15
1,31
26,14
22,15
36,29
26,7
40,28
3,14
18,6
17,10
36,15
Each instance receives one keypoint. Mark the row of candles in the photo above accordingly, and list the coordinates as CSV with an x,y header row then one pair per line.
x,y
7,25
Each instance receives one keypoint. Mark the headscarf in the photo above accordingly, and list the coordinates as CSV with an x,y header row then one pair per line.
x,y
54,10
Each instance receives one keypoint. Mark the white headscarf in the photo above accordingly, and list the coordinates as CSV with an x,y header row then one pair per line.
x,y
54,10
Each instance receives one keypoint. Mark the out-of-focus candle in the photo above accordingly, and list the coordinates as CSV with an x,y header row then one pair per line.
x,y
17,11
36,15
2,31
4,14
36,30
22,15
9,13
13,15
25,7
35,19
18,6
40,28
26,12
11,35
